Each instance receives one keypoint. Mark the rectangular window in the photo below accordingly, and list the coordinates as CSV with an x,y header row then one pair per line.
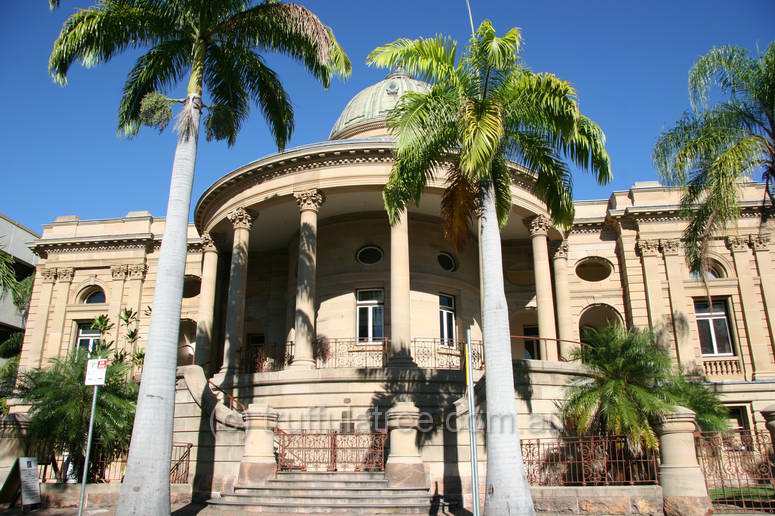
x,y
713,327
532,347
447,319
88,338
370,314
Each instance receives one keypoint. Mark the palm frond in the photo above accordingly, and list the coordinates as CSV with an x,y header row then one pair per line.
x,y
728,67
8,283
481,134
429,59
458,204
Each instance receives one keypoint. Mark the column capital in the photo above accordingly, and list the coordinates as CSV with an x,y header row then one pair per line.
x,y
647,247
208,244
671,247
137,270
538,225
241,218
119,272
737,244
760,242
561,251
310,200
49,274
65,274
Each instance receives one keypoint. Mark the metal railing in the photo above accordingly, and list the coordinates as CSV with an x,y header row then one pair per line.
x,y
587,461
330,451
226,398
58,469
266,357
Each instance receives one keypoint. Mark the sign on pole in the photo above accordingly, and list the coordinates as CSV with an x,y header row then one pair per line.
x,y
95,371
28,471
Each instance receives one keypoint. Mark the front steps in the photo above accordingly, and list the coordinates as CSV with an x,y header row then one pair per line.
x,y
324,493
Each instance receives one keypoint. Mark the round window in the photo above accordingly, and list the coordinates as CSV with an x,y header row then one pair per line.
x,y
447,262
191,286
97,296
369,255
594,269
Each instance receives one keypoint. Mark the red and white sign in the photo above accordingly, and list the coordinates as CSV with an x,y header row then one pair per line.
x,y
95,371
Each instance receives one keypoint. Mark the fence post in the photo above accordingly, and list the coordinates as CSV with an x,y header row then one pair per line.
x,y
683,484
258,460
768,413
404,465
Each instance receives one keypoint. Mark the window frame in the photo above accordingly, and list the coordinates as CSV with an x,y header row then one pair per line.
x,y
710,316
370,306
92,339
445,311
536,343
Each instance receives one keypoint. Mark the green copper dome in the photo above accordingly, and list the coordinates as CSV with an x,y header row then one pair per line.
x,y
366,111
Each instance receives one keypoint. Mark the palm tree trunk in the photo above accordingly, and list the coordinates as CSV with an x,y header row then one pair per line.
x,y
146,486
507,489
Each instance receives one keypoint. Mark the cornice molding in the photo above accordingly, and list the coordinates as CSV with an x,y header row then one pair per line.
x,y
147,241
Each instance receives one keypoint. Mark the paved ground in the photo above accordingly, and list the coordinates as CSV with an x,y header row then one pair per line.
x,y
177,510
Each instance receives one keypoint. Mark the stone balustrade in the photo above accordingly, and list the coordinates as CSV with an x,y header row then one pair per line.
x,y
722,367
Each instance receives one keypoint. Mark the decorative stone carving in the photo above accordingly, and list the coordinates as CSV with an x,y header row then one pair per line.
x,y
561,251
49,274
737,244
538,225
137,271
670,247
760,242
208,245
65,274
240,218
648,247
310,199
118,272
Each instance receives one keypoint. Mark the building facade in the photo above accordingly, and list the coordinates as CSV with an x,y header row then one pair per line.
x,y
299,294
14,241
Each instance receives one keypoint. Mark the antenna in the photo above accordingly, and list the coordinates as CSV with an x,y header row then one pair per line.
x,y
470,17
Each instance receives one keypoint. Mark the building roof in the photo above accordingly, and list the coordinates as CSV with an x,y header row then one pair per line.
x,y
369,107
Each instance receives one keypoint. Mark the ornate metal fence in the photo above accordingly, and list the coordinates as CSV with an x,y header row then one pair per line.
x,y
266,357
587,461
738,468
331,451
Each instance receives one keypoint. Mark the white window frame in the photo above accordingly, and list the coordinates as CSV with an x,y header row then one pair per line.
x,y
444,331
370,305
711,316
91,338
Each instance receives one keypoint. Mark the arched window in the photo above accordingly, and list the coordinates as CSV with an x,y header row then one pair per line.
x,y
598,316
94,296
715,271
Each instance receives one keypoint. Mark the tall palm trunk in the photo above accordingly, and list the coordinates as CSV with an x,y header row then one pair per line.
x,y
146,486
507,489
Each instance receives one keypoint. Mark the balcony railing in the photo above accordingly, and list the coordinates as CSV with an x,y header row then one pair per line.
x,y
722,367
351,353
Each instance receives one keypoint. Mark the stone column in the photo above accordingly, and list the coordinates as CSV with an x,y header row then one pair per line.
x,y
400,314
37,320
688,355
760,244
241,219
564,320
53,347
207,289
539,226
768,413
649,253
309,203
404,466
118,274
758,342
682,481
258,460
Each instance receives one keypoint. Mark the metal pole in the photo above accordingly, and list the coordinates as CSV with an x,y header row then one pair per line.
x,y
472,426
88,451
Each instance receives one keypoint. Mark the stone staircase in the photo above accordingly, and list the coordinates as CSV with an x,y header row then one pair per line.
x,y
343,494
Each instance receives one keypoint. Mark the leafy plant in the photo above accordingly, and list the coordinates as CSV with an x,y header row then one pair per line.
x,y
712,415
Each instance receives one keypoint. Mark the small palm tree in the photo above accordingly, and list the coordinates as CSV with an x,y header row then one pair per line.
x,y
482,112
712,415
60,408
713,147
213,45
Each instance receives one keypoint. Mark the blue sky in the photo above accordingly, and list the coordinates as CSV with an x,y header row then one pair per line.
x,y
59,152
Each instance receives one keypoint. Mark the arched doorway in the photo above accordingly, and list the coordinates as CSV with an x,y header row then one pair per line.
x,y
598,316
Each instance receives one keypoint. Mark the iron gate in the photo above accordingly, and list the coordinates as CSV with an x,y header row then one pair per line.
x,y
331,451
738,469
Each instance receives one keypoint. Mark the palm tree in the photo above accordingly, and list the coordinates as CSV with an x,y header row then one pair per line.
x,y
213,45
714,146
482,112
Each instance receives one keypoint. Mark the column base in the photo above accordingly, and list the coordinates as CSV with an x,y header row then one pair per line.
x,y
256,473
302,364
764,376
403,474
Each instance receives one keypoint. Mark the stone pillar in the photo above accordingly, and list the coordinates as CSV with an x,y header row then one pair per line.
x,y
134,286
400,312
241,219
768,413
309,203
649,254
53,347
682,481
564,319
539,226
758,342
689,356
258,460
118,274
760,244
404,466
207,290
38,319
